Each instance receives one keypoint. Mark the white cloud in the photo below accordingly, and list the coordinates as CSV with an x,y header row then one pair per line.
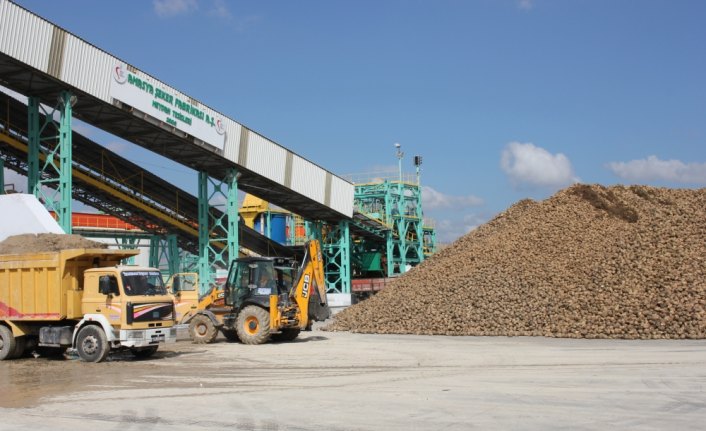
x,y
525,4
530,166
432,199
220,10
654,169
168,8
448,231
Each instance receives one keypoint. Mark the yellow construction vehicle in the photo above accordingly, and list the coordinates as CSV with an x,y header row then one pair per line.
x,y
203,313
82,298
263,298
275,297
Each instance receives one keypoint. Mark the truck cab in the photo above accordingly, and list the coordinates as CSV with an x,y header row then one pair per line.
x,y
135,303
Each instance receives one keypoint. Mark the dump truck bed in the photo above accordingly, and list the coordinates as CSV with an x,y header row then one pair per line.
x,y
48,285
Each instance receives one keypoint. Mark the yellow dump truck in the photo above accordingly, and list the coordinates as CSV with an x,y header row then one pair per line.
x,y
84,299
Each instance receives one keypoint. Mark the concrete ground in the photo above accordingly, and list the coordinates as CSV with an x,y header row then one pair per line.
x,y
343,381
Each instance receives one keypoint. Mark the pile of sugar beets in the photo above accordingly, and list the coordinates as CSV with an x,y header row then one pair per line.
x,y
589,262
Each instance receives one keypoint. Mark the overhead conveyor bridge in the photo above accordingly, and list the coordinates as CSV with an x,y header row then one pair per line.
x,y
116,186
40,59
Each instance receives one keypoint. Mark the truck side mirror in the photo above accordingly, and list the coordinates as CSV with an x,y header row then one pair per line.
x,y
104,285
176,284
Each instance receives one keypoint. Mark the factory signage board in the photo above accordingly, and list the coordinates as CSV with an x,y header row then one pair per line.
x,y
158,101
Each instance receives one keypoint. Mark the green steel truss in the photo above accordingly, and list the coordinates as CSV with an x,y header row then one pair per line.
x,y
398,206
218,235
49,180
164,253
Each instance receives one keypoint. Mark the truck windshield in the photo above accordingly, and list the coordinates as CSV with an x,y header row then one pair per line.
x,y
143,283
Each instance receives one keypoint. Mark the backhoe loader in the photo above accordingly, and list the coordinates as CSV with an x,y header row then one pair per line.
x,y
263,298
275,298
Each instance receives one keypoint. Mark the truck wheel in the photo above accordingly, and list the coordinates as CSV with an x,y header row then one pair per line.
x,y
287,334
20,344
253,325
231,335
7,343
202,330
92,344
144,353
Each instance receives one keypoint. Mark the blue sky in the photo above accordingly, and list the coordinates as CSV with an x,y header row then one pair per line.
x,y
504,99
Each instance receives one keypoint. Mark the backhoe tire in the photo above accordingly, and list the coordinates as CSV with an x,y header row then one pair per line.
x,y
231,335
287,334
7,343
144,353
253,325
92,344
202,330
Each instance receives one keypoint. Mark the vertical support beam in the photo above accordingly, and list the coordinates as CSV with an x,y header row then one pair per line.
x,y
389,250
233,217
155,246
172,254
218,234
420,221
127,243
204,265
2,176
65,157
33,133
345,244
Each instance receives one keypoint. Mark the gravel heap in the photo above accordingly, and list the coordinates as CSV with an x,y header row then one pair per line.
x,y
43,242
589,262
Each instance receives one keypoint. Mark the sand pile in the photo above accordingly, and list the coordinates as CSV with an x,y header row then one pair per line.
x,y
591,261
36,243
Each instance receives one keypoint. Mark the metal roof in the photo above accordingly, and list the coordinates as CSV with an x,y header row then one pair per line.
x,y
38,58
103,179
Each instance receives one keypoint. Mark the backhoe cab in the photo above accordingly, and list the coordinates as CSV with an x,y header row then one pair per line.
x,y
272,297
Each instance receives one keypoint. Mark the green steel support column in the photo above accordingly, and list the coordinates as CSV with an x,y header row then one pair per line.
x,y
65,157
420,221
127,243
218,236
402,228
337,258
58,148
2,176
344,227
33,133
389,250
233,217
155,245
204,265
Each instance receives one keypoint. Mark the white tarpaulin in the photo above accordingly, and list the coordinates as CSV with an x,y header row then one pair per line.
x,y
20,213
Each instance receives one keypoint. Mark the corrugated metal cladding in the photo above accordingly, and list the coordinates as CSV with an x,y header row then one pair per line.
x,y
341,195
40,44
232,144
86,68
309,180
266,158
25,36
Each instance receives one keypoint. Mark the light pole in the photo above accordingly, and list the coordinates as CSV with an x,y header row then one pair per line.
x,y
400,154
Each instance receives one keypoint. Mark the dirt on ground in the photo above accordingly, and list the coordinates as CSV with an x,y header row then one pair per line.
x,y
589,262
43,242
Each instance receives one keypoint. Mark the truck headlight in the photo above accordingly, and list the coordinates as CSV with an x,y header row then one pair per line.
x,y
136,335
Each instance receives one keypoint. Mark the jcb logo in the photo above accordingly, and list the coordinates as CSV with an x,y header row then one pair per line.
x,y
305,288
